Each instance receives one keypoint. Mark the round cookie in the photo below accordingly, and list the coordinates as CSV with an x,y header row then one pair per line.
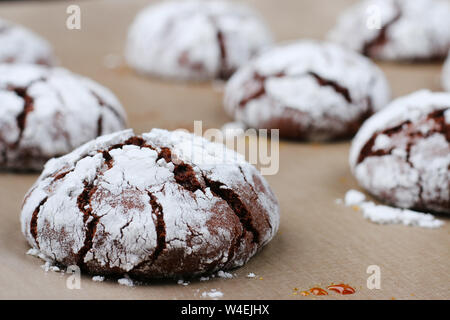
x,y
401,155
20,45
195,40
309,90
48,112
164,204
446,74
396,29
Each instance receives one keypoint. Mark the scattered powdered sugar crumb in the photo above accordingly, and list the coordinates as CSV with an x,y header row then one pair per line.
x,y
204,278
98,278
213,294
251,275
126,281
382,214
354,197
182,282
225,275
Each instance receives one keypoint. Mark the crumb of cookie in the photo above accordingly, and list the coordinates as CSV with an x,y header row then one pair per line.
x,y
225,275
251,275
98,278
204,278
213,294
382,214
182,282
353,197
126,281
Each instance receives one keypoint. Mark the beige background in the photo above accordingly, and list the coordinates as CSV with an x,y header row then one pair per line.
x,y
319,241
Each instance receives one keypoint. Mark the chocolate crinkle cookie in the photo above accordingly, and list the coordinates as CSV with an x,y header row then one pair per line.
x,y
446,74
20,45
195,40
164,204
396,29
402,154
48,112
308,90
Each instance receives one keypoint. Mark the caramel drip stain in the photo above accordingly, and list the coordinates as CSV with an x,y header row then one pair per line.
x,y
318,291
34,219
342,289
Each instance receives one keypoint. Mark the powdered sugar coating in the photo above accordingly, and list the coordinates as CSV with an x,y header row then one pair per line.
x,y
20,45
446,74
162,205
49,112
309,90
408,30
195,40
402,153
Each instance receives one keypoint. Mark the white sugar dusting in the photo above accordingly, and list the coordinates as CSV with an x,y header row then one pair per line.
x,y
98,278
382,214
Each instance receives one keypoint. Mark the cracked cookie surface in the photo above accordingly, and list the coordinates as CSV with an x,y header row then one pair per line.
x,y
402,154
195,40
309,90
20,45
48,112
164,204
396,29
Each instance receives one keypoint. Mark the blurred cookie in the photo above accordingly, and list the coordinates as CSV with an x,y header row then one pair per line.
x,y
20,45
309,90
48,112
446,74
195,40
164,204
396,29
402,154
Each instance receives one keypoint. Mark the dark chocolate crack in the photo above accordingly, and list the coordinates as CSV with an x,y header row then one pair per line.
x,y
84,205
103,104
160,227
344,92
22,116
34,219
261,90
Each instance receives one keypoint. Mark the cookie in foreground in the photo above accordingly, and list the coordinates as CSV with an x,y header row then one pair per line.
x,y
401,155
309,90
48,112
164,204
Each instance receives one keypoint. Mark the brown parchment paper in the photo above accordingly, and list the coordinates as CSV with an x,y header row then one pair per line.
x,y
319,241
